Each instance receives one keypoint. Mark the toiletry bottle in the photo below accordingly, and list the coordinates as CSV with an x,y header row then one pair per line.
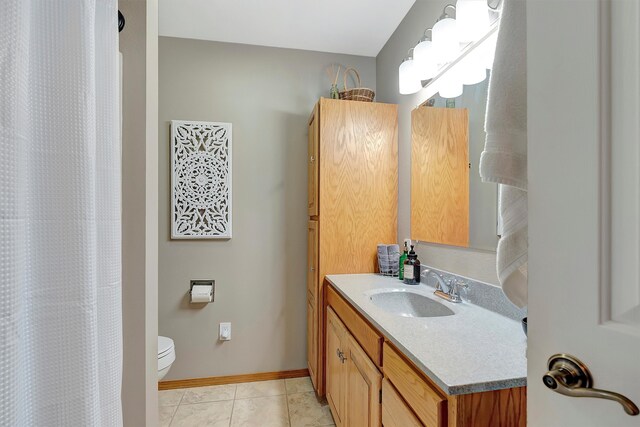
x,y
403,258
412,268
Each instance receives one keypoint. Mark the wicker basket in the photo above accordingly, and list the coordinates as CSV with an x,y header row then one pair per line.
x,y
356,94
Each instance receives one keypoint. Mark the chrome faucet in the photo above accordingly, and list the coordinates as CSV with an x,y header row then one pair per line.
x,y
452,293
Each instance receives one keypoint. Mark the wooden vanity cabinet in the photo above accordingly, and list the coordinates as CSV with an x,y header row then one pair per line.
x,y
352,201
395,412
427,401
336,367
353,380
312,331
353,356
312,165
370,383
313,311
364,382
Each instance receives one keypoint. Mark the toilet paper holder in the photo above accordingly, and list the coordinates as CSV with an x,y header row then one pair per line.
x,y
211,283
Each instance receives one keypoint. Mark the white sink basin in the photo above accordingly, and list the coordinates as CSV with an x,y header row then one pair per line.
x,y
409,304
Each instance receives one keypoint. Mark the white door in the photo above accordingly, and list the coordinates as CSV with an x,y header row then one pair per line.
x,y
584,204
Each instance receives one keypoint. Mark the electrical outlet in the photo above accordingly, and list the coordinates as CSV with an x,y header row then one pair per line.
x,y
225,331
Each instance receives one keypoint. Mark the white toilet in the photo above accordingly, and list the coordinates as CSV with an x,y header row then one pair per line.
x,y
166,356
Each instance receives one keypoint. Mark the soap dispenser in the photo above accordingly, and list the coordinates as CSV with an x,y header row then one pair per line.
x,y
412,268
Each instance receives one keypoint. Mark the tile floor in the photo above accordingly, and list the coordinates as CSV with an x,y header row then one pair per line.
x,y
278,403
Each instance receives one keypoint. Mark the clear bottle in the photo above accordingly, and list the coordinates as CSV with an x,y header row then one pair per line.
x,y
412,268
403,258
334,93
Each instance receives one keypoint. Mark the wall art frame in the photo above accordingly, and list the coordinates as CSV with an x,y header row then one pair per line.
x,y
201,180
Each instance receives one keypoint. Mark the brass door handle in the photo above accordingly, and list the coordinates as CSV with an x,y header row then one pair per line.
x,y
569,376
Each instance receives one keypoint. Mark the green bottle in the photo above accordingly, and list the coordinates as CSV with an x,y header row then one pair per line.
x,y
403,257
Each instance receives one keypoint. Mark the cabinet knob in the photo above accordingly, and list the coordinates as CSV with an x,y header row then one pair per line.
x,y
312,159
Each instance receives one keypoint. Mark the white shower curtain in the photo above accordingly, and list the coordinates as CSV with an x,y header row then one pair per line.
x,y
60,298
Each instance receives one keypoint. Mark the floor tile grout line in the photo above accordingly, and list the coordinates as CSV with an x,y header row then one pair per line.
x,y
286,402
184,391
173,415
233,405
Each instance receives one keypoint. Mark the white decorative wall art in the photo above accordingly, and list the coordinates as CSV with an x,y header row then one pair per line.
x,y
200,180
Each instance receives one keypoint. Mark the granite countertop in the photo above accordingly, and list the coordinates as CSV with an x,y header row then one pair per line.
x,y
472,351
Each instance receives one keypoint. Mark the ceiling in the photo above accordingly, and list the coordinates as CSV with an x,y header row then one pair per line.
x,y
356,27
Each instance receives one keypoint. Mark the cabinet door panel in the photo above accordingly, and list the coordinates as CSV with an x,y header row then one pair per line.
x,y
363,388
312,339
358,183
336,368
312,164
369,338
428,402
312,258
395,412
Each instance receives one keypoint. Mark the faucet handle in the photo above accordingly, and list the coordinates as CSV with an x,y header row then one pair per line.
x,y
456,284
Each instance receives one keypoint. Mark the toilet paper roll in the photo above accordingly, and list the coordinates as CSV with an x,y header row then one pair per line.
x,y
201,293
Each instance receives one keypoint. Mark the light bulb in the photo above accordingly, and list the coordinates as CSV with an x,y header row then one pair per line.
x,y
450,85
408,80
445,40
473,19
425,60
472,68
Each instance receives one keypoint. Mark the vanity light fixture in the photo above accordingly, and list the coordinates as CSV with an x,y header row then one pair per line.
x,y
472,68
459,52
425,58
408,79
473,20
473,23
447,46
445,36
451,84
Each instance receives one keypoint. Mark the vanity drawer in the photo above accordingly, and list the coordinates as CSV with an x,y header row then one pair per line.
x,y
368,338
396,413
429,403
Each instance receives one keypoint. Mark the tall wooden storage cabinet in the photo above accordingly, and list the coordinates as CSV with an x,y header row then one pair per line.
x,y
352,205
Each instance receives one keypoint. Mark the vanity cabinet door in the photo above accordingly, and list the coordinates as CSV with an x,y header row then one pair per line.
x,y
312,258
364,383
336,366
428,402
395,412
312,339
313,355
312,163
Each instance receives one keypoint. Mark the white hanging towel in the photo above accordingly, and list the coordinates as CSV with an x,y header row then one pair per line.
x,y
504,159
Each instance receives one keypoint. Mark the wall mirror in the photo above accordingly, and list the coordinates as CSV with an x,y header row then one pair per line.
x,y
450,204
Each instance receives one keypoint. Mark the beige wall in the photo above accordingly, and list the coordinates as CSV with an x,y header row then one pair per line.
x,y
480,265
267,94
138,44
